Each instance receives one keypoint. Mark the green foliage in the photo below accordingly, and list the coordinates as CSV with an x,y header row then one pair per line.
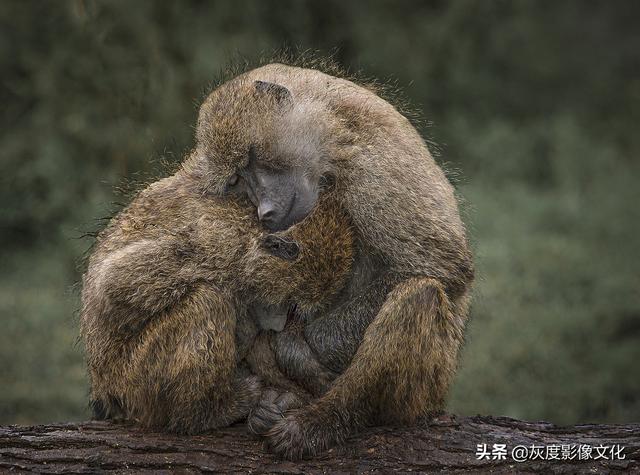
x,y
536,107
556,329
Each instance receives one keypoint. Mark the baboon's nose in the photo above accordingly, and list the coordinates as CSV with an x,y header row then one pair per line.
x,y
266,212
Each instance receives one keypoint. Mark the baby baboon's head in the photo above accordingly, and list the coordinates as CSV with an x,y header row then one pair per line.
x,y
308,264
255,138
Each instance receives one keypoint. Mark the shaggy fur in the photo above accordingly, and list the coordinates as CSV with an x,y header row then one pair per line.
x,y
168,295
394,332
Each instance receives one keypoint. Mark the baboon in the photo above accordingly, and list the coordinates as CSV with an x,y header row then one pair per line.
x,y
169,295
392,335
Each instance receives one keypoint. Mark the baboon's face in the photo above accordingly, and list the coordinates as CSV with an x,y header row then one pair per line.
x,y
258,140
282,196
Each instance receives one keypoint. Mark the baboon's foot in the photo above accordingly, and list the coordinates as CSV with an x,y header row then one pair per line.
x,y
271,409
300,435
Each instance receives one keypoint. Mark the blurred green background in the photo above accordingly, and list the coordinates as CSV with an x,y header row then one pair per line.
x,y
535,107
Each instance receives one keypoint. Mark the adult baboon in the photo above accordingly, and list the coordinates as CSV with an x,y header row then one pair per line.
x,y
393,334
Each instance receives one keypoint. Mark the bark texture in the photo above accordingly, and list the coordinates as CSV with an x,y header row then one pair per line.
x,y
447,443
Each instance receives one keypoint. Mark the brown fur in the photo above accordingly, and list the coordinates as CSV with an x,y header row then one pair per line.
x,y
170,285
395,331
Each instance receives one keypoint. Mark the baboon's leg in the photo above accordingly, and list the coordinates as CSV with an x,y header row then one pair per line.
x,y
262,362
281,395
313,353
183,373
401,371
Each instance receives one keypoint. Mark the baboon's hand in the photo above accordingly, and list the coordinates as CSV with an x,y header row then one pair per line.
x,y
279,246
299,435
271,409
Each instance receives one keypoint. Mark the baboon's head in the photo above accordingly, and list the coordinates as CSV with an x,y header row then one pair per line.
x,y
256,139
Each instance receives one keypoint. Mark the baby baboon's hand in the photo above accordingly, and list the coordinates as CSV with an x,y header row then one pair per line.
x,y
279,246
271,409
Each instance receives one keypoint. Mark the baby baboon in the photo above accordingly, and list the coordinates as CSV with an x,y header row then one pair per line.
x,y
171,283
277,133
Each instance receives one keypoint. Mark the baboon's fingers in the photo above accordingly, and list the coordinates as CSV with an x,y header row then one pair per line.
x,y
262,417
265,413
271,409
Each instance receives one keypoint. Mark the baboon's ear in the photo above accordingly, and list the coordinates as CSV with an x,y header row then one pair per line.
x,y
281,94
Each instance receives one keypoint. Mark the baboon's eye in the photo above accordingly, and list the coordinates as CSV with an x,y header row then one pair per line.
x,y
233,181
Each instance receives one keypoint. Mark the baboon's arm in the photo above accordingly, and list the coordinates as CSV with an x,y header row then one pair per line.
x,y
297,361
281,395
160,339
336,336
314,353
402,370
181,375
262,362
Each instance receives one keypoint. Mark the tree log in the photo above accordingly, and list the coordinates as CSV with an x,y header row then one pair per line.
x,y
448,443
